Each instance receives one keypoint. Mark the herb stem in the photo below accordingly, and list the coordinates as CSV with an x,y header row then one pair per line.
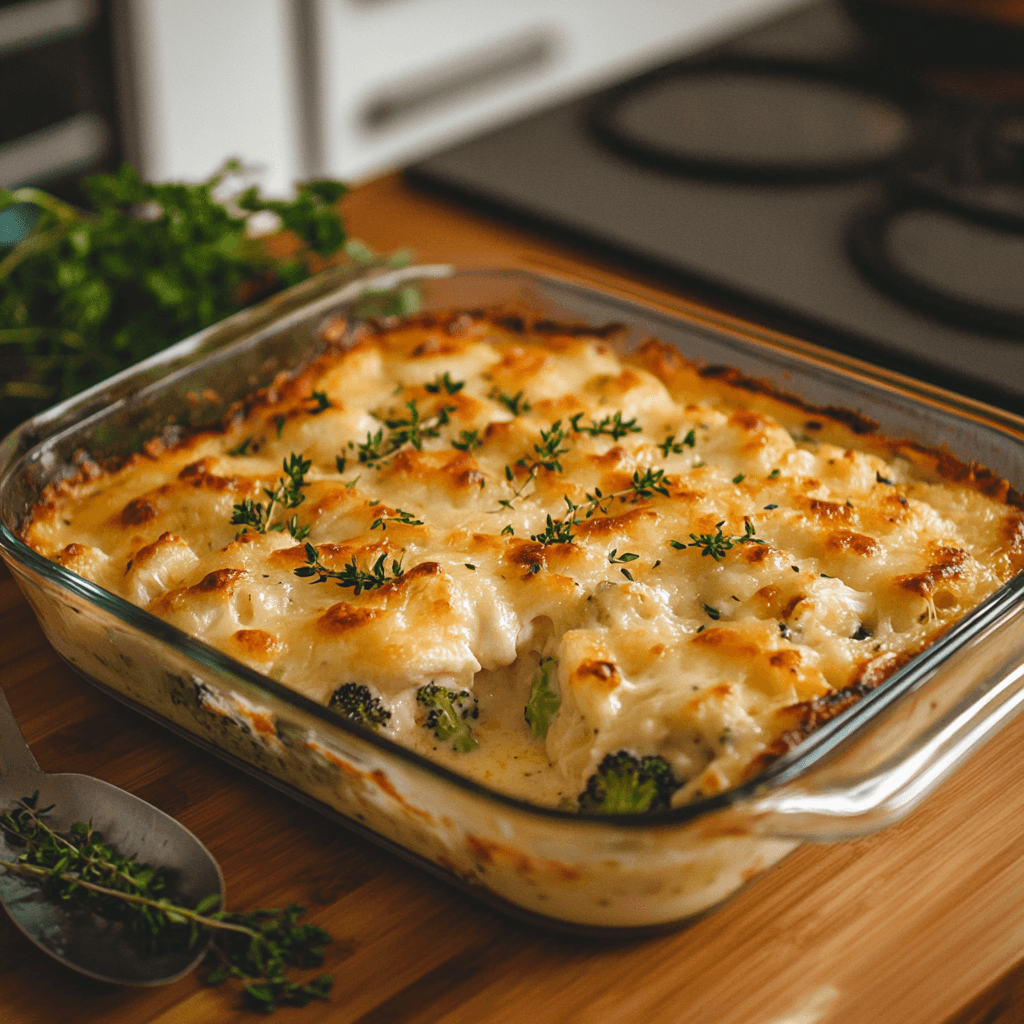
x,y
164,906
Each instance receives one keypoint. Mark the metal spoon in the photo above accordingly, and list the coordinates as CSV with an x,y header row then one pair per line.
x,y
81,940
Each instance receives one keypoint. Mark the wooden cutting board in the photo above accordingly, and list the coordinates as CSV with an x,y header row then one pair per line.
x,y
921,924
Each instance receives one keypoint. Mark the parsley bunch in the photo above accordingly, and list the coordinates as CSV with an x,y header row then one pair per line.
x,y
89,292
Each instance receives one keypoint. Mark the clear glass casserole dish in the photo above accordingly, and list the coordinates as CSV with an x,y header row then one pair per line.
x,y
625,874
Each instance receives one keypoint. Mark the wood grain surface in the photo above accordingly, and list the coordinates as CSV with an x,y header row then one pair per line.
x,y
920,924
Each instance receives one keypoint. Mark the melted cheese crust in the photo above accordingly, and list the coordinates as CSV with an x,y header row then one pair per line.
x,y
849,553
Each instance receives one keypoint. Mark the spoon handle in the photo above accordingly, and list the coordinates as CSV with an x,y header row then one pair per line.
x,y
15,757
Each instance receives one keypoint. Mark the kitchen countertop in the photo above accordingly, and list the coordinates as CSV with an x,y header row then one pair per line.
x,y
920,924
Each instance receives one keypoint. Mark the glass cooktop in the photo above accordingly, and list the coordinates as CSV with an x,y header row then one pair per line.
x,y
793,170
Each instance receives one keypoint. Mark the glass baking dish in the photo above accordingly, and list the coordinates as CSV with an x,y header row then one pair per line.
x,y
622,874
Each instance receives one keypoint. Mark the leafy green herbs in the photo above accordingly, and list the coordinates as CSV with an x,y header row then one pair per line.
x,y
80,869
547,456
614,426
88,293
670,446
411,430
562,531
320,402
449,710
557,531
444,382
351,576
516,404
398,516
544,701
717,544
287,494
627,556
468,440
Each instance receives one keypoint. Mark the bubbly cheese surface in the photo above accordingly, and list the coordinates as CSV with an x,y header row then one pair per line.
x,y
713,569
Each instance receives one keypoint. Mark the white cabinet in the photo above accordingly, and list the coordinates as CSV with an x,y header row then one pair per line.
x,y
352,87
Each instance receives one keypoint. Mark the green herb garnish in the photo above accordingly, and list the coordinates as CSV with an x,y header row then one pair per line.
x,y
351,576
468,440
398,516
445,383
717,544
670,446
80,869
320,402
402,431
516,404
287,493
614,426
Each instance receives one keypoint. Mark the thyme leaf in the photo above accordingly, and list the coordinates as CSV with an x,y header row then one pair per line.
x,y
444,382
670,446
288,494
81,869
351,576
614,426
717,544
516,404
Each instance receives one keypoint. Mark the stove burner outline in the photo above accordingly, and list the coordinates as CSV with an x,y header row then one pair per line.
x,y
602,122
867,243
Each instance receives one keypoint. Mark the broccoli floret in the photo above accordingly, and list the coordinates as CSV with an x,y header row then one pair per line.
x,y
624,784
355,702
449,710
544,701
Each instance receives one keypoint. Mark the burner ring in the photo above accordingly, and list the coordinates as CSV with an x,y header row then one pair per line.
x,y
871,246
982,176
770,127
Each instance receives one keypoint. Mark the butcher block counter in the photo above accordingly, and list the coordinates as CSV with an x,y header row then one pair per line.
x,y
920,924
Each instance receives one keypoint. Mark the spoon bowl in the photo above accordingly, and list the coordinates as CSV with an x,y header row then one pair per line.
x,y
79,939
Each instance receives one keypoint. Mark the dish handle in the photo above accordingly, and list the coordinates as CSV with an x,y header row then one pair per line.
x,y
871,773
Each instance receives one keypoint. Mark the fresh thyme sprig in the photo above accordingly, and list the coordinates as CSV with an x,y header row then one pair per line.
x,y
643,485
351,576
468,440
717,544
627,556
561,531
444,382
398,516
670,446
548,456
557,531
320,403
402,430
614,426
81,870
516,404
287,493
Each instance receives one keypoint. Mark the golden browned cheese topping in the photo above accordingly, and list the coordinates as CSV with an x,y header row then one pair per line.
x,y
693,565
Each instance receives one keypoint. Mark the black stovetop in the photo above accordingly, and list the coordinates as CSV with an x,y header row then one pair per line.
x,y
790,170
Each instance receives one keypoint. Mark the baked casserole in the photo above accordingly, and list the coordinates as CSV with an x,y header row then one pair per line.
x,y
585,580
